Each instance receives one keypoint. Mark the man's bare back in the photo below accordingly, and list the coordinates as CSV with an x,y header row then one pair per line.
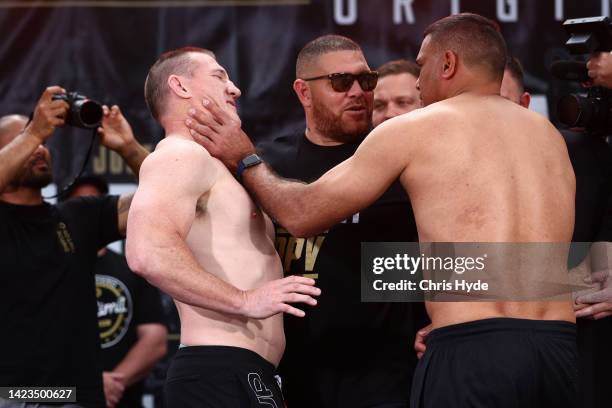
x,y
491,171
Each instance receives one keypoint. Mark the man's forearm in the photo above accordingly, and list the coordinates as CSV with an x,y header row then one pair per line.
x,y
143,356
291,203
171,266
14,155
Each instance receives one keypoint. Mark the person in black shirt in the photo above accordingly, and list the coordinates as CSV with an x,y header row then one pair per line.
x,y
47,256
130,318
343,353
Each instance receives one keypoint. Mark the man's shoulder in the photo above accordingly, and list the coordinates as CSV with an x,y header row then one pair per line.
x,y
179,165
174,153
173,147
79,211
85,203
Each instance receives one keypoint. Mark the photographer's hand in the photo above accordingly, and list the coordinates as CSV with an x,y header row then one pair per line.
x,y
600,69
48,115
116,134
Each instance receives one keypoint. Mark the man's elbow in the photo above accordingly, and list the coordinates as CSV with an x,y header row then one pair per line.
x,y
300,227
139,259
159,346
162,348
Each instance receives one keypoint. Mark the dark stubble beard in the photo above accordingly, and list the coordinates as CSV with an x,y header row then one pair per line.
x,y
30,179
334,128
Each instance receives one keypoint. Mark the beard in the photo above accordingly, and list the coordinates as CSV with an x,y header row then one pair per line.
x,y
35,179
334,127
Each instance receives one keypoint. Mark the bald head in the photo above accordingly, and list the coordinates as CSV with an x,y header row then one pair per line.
x,y
10,127
310,54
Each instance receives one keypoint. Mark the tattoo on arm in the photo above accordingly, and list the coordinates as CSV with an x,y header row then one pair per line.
x,y
124,203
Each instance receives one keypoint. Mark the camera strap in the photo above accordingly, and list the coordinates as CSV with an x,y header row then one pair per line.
x,y
87,157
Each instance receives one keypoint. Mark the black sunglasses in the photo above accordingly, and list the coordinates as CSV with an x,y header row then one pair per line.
x,y
343,81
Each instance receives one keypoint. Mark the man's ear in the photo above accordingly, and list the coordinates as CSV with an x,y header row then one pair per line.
x,y
449,59
302,90
177,86
525,100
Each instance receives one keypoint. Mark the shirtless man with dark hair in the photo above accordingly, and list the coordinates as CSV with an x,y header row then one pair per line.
x,y
477,168
195,233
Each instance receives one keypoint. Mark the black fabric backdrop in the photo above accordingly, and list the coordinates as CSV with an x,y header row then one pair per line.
x,y
104,49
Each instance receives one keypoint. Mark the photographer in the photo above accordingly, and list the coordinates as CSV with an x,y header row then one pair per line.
x,y
47,256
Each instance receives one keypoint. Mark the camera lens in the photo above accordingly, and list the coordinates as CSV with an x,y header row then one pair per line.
x,y
577,111
89,113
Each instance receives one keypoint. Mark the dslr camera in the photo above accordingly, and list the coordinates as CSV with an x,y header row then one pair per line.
x,y
83,112
590,111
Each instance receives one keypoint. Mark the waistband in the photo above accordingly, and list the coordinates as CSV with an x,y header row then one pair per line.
x,y
502,324
222,356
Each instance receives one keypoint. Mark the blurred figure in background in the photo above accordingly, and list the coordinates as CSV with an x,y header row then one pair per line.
x,y
513,85
396,91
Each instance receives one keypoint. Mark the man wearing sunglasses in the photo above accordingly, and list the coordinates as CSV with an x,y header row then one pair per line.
x,y
478,169
343,353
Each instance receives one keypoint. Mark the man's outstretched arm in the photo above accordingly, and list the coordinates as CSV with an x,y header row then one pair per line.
x,y
306,209
171,181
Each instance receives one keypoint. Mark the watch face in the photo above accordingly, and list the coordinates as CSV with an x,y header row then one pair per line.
x,y
251,160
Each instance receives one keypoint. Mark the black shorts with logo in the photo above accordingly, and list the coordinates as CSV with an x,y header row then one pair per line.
x,y
221,377
498,363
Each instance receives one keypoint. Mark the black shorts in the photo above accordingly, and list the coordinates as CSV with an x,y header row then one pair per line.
x,y
221,377
498,363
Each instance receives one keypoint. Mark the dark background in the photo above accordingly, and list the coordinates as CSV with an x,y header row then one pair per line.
x,y
105,48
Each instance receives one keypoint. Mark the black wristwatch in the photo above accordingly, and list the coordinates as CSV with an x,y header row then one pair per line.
x,y
249,161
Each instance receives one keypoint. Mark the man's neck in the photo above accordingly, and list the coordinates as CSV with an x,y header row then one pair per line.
x,y
22,196
475,88
177,128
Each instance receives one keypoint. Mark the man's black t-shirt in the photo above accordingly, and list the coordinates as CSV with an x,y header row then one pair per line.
x,y
125,300
344,353
48,308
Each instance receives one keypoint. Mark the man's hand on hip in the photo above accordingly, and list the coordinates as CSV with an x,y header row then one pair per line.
x,y
274,297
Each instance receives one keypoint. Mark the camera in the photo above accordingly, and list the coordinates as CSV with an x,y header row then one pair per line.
x,y
590,111
83,112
